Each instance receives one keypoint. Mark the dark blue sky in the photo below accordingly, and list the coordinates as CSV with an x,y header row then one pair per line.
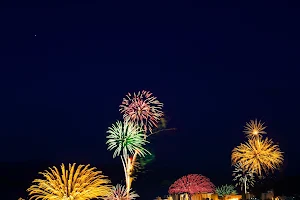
x,y
214,66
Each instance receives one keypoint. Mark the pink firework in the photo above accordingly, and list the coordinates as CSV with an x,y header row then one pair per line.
x,y
142,108
119,192
192,184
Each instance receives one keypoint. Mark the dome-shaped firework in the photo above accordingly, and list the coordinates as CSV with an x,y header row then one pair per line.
x,y
192,184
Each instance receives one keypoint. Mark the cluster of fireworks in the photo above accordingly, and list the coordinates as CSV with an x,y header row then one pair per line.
x,y
141,114
255,157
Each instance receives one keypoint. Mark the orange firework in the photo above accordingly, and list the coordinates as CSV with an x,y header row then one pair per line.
x,y
258,155
254,128
81,183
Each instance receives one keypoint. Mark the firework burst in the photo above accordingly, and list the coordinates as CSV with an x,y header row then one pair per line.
x,y
143,109
254,128
244,179
119,192
192,184
128,137
258,155
225,190
83,183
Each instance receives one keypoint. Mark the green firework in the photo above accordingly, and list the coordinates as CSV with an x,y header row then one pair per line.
x,y
127,137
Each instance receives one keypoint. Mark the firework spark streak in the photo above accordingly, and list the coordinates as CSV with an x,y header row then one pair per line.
x,y
143,109
258,155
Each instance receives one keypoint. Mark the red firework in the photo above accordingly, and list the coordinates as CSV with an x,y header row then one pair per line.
x,y
142,108
192,184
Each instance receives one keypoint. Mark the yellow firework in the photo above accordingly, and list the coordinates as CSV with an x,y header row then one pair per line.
x,y
258,155
254,128
83,183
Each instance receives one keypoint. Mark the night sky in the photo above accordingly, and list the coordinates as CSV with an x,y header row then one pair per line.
x,y
66,67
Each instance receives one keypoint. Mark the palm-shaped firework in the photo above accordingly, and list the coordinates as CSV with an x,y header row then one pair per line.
x,y
245,179
127,137
119,192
